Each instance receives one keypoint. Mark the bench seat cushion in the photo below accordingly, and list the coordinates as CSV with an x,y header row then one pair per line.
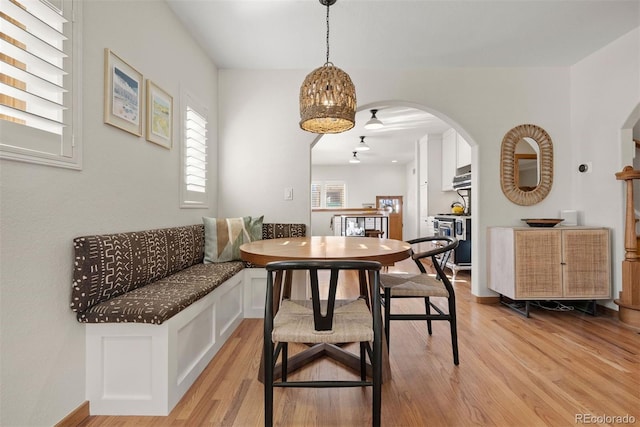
x,y
109,265
158,301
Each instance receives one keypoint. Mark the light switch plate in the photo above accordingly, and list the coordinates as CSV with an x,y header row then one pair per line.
x,y
288,193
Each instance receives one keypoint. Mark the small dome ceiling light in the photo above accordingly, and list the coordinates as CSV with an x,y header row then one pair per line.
x,y
362,146
355,158
374,122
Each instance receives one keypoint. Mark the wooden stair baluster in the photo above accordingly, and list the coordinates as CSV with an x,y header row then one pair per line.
x,y
629,298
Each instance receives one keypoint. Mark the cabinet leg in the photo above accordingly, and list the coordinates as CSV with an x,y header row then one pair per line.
x,y
591,308
515,306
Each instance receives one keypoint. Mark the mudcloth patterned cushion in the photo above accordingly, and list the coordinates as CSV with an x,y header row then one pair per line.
x,y
149,276
109,265
276,230
160,300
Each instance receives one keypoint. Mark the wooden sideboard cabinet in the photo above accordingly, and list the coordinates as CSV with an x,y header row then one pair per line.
x,y
564,263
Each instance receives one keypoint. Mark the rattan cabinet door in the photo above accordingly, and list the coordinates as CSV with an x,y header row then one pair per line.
x,y
587,263
538,258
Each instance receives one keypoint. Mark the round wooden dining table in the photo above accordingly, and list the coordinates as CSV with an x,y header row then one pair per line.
x,y
385,251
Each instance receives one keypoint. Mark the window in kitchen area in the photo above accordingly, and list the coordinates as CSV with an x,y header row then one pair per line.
x,y
328,194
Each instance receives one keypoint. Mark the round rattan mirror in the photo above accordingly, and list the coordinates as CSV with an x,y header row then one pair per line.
x,y
509,179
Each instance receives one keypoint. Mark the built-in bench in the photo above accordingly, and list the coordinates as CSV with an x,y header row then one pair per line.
x,y
156,314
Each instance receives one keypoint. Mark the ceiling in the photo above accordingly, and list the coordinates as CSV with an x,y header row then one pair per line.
x,y
387,34
395,142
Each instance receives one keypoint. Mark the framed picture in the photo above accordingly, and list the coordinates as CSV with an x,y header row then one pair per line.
x,y
159,115
122,94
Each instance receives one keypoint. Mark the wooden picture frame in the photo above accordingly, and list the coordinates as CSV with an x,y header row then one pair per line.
x,y
159,129
122,94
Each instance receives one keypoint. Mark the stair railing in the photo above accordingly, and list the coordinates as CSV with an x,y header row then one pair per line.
x,y
629,298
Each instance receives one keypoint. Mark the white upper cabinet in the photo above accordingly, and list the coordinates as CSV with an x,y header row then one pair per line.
x,y
449,148
463,152
456,153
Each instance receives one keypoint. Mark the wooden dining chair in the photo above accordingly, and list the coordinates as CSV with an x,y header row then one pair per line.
x,y
423,285
323,320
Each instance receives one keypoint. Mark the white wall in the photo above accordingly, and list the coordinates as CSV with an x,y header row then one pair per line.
x,y
364,183
126,184
636,186
635,133
266,151
259,119
581,107
605,89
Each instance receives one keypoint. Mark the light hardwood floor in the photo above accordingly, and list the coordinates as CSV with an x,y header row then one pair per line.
x,y
547,370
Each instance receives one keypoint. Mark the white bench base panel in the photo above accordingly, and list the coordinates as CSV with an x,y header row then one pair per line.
x,y
255,280
143,369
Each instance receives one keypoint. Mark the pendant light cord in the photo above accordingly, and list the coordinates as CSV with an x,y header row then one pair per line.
x,y
327,33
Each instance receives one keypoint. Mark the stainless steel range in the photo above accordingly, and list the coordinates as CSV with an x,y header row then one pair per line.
x,y
458,226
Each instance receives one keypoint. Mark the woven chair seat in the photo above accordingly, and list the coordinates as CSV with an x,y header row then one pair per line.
x,y
414,285
352,322
322,321
424,285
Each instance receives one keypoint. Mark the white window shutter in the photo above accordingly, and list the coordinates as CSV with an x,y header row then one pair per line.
x,y
316,195
39,72
335,194
194,189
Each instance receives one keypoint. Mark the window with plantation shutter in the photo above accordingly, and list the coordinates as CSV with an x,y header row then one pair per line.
x,y
194,154
39,82
328,194
335,194
316,195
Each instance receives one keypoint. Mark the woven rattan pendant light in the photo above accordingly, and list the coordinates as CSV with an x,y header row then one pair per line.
x,y
327,96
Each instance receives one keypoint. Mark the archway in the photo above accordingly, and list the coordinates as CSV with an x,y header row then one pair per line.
x,y
320,222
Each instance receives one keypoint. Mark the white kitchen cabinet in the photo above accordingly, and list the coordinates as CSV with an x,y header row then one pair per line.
x,y
456,153
463,152
423,163
423,186
449,147
424,201
564,263
426,226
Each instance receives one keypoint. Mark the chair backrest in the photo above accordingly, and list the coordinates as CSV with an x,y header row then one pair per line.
x,y
323,309
441,245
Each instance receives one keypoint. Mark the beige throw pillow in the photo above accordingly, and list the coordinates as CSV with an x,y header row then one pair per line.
x,y
224,236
